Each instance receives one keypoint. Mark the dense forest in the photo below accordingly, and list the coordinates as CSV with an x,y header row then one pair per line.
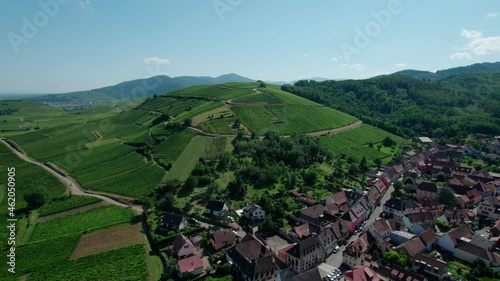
x,y
449,108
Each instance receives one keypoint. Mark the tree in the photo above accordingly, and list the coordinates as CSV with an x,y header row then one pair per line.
x,y
191,182
409,180
268,225
310,177
388,142
441,177
187,122
36,197
378,162
398,189
363,165
447,197
398,257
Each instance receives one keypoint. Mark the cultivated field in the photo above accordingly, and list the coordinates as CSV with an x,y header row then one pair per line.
x,y
66,204
78,223
122,264
288,119
187,160
171,148
27,177
257,98
359,142
108,239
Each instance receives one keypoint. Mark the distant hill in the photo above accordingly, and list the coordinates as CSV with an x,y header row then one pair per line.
x,y
139,88
486,67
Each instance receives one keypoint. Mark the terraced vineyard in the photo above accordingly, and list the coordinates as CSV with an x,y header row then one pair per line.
x,y
122,264
66,204
257,98
188,159
80,222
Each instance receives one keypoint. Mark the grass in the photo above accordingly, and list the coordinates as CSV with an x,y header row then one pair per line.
x,y
355,143
121,264
67,204
94,219
187,160
287,119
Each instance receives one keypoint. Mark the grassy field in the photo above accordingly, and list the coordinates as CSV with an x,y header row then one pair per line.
x,y
287,119
356,143
27,177
219,112
187,160
122,264
94,219
66,204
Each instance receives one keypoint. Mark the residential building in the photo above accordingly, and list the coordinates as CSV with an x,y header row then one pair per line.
x,y
449,241
222,238
467,251
427,190
359,273
191,266
172,222
252,261
217,209
182,247
418,222
354,254
396,207
254,213
305,254
379,230
429,239
434,268
489,208
431,206
412,247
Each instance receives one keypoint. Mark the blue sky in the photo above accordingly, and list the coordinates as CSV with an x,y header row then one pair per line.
x,y
78,45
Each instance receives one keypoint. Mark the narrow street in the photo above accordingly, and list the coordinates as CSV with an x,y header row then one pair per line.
x,y
336,259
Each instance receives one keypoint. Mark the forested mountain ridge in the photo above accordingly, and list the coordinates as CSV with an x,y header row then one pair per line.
x,y
487,67
451,107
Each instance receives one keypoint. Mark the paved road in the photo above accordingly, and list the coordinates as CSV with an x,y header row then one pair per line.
x,y
336,259
72,185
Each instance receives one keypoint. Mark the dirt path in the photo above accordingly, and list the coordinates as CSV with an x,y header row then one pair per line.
x,y
71,212
337,130
70,183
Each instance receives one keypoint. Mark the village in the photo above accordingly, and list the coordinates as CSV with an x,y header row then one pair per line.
x,y
421,219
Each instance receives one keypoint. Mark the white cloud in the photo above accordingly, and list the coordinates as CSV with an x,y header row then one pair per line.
x,y
156,60
478,45
400,65
470,34
304,55
490,15
356,66
84,4
484,45
335,59
460,56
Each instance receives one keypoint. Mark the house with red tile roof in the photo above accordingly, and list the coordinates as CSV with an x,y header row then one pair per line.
x,y
412,247
427,266
449,241
360,273
469,252
191,266
355,253
429,239
379,230
427,190
182,247
222,238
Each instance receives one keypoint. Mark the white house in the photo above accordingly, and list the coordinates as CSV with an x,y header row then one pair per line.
x,y
254,213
